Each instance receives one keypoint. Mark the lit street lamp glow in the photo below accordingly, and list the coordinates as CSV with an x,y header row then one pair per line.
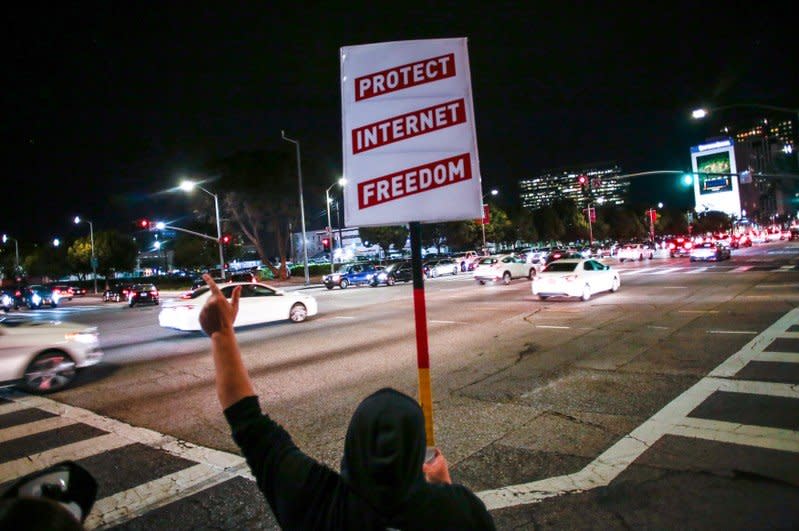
x,y
341,182
160,225
56,242
698,114
688,179
78,220
187,186
6,237
660,205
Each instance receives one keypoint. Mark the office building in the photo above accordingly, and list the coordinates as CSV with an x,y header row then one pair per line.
x,y
565,183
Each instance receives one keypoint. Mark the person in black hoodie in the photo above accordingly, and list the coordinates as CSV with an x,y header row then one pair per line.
x,y
384,482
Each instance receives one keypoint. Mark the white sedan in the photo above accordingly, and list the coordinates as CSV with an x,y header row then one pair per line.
x,y
44,355
259,303
503,267
575,278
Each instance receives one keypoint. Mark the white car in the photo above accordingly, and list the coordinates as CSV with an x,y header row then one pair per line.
x,y
259,303
575,278
44,355
446,266
503,267
634,251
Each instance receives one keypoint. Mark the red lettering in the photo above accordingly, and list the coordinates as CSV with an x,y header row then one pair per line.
x,y
404,76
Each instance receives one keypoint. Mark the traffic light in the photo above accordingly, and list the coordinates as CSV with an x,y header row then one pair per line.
x,y
582,180
326,244
144,224
225,239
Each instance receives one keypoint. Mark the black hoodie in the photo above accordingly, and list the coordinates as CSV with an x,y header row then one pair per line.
x,y
381,485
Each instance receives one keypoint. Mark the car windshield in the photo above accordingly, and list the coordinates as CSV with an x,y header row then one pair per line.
x,y
199,291
561,267
488,261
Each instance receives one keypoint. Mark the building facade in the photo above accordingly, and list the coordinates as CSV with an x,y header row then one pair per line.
x,y
565,183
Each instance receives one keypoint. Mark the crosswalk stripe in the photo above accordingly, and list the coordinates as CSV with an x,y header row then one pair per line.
x,y
668,270
143,498
697,270
741,269
732,432
31,428
12,407
75,451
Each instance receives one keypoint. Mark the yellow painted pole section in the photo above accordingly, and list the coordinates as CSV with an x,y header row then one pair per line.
x,y
426,401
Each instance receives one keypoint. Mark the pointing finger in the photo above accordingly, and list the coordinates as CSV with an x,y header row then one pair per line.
x,y
211,284
235,300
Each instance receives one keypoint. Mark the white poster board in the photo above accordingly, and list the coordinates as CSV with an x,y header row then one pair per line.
x,y
715,178
410,148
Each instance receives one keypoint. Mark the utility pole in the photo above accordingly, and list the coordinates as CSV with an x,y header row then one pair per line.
x,y
590,212
652,213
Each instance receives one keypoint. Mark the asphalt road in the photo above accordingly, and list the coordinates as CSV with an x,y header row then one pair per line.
x,y
524,391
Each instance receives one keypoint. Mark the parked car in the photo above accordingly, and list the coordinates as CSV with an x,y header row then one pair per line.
x,y
396,272
259,303
710,251
446,266
44,355
467,261
142,294
575,278
502,267
350,274
117,293
35,296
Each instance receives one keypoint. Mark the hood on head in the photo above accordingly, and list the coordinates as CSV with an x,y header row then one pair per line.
x,y
384,449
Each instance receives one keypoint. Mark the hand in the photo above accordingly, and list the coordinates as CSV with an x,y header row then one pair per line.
x,y
437,470
219,314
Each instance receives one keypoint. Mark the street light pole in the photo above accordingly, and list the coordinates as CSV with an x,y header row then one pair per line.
x,y
302,206
91,239
189,186
329,228
483,216
16,251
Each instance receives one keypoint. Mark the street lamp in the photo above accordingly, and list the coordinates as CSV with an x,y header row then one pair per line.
x,y
77,220
6,237
493,192
660,205
56,242
302,205
187,186
341,182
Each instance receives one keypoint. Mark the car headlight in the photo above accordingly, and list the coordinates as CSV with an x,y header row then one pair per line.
x,y
382,276
87,337
36,299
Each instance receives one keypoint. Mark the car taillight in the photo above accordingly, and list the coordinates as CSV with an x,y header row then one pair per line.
x,y
688,245
672,246
154,291
186,296
18,294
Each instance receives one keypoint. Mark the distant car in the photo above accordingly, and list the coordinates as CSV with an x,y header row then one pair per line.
x,y
396,272
243,277
78,291
706,251
446,266
142,294
63,292
503,267
118,293
350,275
634,251
35,296
575,278
259,303
44,355
7,300
680,246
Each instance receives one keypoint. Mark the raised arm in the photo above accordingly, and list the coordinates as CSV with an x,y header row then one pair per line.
x,y
216,319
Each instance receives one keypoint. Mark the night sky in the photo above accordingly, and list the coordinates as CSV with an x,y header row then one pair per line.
x,y
107,104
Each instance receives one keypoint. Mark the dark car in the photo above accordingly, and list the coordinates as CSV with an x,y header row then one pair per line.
x,y
142,294
350,274
35,296
117,293
396,272
11,297
78,291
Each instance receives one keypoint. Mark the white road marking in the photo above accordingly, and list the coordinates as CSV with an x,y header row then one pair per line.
x,y
658,327
12,407
786,268
749,332
741,269
554,327
141,499
697,270
31,428
697,311
447,322
777,286
669,270
75,451
509,319
732,432
672,418
342,317
629,272
674,287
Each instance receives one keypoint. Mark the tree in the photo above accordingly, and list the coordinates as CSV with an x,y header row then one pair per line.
x,y
385,237
193,252
114,252
500,229
48,261
260,197
712,221
550,226
526,230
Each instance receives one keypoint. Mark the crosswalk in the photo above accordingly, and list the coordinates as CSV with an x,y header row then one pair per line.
x,y
694,269
58,311
139,471
744,413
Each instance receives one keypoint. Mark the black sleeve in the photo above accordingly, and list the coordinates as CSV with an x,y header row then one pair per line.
x,y
295,485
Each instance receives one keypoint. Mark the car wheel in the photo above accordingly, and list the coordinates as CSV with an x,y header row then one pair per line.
x,y
692,259
344,283
621,260
298,313
586,293
640,257
390,281
481,282
328,286
543,297
506,278
531,273
50,371
131,303
454,270
614,287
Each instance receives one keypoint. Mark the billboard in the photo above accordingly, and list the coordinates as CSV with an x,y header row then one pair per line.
x,y
716,178
409,142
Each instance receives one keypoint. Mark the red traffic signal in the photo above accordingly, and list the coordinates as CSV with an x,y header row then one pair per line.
x,y
144,224
225,239
326,244
583,180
